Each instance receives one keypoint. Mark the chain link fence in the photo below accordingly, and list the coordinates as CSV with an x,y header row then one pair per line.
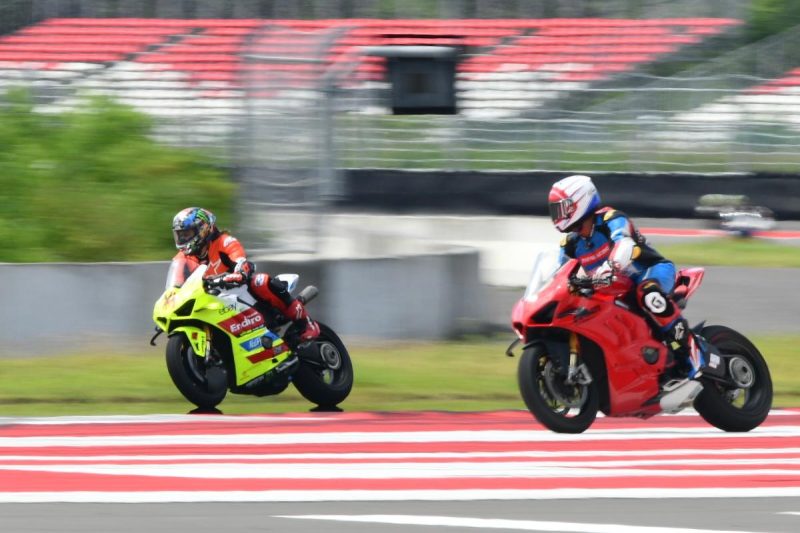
x,y
292,119
17,13
283,155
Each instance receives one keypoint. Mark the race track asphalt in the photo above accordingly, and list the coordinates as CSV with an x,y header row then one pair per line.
x,y
754,301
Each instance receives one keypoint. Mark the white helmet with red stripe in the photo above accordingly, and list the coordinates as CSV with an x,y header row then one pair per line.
x,y
571,199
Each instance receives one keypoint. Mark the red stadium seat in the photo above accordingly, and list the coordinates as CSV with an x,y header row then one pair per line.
x,y
210,50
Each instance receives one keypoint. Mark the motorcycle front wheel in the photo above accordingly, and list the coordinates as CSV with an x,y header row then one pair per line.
x,y
325,375
742,403
205,386
559,406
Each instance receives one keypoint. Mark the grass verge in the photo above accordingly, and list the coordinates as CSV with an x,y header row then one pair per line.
x,y
458,376
733,251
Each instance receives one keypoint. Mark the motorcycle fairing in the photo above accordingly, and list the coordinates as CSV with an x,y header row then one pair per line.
x,y
185,309
198,338
623,334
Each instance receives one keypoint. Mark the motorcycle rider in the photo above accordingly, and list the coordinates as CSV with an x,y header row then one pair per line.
x,y
200,241
606,243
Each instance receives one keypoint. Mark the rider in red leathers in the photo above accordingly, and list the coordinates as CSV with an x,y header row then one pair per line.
x,y
199,241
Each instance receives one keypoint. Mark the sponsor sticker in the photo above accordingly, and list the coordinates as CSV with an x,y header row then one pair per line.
x,y
252,344
245,321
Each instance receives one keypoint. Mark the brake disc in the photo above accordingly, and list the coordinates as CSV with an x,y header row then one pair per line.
x,y
572,396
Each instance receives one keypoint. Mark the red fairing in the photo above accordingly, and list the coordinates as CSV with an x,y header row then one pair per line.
x,y
693,277
621,333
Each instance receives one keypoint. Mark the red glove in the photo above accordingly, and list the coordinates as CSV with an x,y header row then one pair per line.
x,y
235,278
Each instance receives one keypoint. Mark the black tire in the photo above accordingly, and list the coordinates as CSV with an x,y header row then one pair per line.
x,y
204,387
730,408
547,408
329,384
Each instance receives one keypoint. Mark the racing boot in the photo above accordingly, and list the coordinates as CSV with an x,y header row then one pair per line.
x,y
303,328
691,350
274,293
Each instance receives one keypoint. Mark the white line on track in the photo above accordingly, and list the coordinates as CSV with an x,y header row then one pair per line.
x,y
535,454
495,523
395,437
389,495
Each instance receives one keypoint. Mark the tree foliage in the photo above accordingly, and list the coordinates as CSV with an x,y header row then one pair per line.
x,y
768,17
92,185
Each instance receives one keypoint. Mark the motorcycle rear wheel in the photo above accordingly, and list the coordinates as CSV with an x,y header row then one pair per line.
x,y
205,387
736,408
560,407
328,379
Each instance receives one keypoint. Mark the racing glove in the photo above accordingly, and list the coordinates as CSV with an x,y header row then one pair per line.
x,y
603,275
234,279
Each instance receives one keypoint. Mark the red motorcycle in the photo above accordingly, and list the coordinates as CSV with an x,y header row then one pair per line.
x,y
590,348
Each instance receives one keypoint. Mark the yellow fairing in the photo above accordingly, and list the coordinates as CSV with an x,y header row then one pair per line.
x,y
198,339
253,360
189,308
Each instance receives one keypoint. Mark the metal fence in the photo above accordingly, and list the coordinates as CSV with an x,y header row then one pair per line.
x,y
728,114
17,13
289,131
282,151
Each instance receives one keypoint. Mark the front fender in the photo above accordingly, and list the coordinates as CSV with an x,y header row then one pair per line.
x,y
555,343
197,337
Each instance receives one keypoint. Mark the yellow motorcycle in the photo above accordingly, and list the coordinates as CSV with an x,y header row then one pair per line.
x,y
221,339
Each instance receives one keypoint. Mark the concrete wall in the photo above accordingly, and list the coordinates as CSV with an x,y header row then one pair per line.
x,y
68,307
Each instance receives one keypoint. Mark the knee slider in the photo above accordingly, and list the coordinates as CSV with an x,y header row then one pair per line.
x,y
653,299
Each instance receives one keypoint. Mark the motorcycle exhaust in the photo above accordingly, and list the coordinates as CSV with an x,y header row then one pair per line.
x,y
679,395
286,368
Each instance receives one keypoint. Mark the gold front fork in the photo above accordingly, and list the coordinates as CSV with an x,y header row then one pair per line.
x,y
576,373
573,350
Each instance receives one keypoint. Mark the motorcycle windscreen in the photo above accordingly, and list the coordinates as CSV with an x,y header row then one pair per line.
x,y
179,271
544,269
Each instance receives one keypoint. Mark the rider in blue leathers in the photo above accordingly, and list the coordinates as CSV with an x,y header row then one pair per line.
x,y
606,243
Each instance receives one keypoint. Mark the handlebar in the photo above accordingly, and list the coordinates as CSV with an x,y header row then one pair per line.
x,y
581,282
585,286
217,283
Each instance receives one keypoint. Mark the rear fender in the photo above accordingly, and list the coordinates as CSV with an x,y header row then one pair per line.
x,y
688,281
197,337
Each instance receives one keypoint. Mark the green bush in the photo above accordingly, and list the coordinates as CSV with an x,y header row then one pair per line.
x,y
92,185
768,17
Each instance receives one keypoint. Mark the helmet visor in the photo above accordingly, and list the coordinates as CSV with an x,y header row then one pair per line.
x,y
561,210
184,236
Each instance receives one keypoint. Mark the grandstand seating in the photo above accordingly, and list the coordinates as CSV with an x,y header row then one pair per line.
x,y
206,55
788,80
773,102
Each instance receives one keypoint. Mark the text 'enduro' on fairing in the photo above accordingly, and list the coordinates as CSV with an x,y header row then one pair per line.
x,y
590,349
220,339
